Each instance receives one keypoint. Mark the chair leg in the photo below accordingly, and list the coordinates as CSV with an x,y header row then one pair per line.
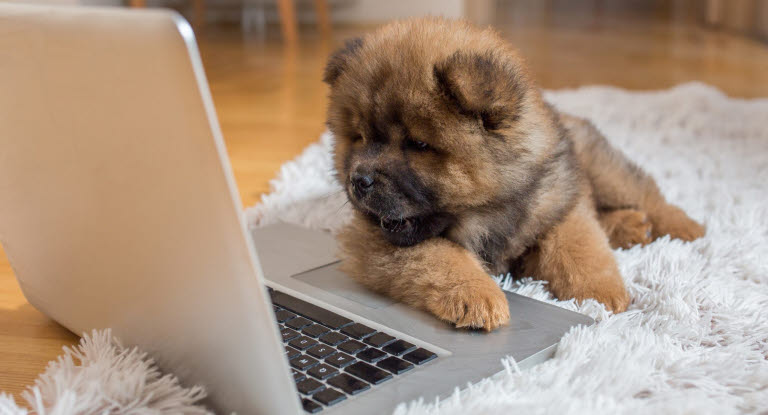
x,y
288,20
198,13
323,19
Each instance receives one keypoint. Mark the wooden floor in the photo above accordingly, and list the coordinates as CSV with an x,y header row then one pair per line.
x,y
272,104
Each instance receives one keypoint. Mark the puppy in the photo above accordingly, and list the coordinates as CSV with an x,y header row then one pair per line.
x,y
457,169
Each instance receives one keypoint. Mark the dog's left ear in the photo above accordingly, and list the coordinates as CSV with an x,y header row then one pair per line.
x,y
338,60
481,86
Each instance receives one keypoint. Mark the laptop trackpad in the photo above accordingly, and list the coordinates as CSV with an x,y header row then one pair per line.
x,y
329,278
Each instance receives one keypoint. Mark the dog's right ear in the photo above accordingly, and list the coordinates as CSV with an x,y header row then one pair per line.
x,y
338,61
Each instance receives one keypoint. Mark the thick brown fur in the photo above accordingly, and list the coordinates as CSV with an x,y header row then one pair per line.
x,y
457,168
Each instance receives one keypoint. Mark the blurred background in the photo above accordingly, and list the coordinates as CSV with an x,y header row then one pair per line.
x,y
264,60
265,70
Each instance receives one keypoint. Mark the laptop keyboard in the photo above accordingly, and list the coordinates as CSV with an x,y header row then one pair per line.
x,y
333,357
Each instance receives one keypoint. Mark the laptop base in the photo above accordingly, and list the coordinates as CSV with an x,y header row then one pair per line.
x,y
301,263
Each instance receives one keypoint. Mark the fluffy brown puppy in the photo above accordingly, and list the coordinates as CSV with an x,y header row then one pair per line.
x,y
457,168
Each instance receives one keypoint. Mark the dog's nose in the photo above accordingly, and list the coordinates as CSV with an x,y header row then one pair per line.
x,y
362,182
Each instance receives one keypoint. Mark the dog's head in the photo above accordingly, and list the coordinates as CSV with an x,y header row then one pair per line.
x,y
431,118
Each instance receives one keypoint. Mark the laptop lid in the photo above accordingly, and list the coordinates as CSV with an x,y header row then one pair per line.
x,y
117,204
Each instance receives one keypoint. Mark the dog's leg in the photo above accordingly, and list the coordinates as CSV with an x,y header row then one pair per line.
x,y
577,262
436,275
618,183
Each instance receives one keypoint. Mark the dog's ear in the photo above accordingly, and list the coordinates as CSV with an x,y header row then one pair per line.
x,y
482,87
338,60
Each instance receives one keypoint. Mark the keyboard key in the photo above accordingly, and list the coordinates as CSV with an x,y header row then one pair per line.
x,y
399,347
329,396
340,360
371,355
302,343
321,351
395,365
315,330
309,386
310,406
379,340
351,346
297,376
333,338
348,384
321,315
419,356
297,323
368,373
288,334
284,315
303,362
358,331
322,371
291,352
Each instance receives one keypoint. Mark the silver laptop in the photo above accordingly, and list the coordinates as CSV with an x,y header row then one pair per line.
x,y
118,209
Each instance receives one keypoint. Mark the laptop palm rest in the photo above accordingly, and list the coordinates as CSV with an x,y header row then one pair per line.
x,y
331,279
302,262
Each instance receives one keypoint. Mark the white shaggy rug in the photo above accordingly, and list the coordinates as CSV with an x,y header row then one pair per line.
x,y
100,376
695,339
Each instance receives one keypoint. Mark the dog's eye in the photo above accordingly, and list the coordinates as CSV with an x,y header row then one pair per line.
x,y
418,145
356,138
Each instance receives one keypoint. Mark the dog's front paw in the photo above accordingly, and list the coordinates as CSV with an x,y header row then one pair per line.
x,y
613,296
616,299
671,220
599,280
476,305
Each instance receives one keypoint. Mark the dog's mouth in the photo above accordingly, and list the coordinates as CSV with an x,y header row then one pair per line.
x,y
412,230
407,230
397,225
